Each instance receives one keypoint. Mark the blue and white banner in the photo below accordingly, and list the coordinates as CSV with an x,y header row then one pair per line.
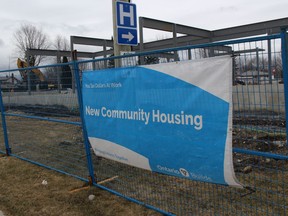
x,y
173,118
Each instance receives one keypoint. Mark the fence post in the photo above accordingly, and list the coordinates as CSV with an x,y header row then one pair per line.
x,y
85,135
4,126
284,48
59,72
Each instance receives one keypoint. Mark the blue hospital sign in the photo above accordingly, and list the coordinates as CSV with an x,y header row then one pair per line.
x,y
126,15
126,19
173,118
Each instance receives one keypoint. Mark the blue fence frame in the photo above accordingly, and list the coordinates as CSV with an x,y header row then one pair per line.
x,y
260,155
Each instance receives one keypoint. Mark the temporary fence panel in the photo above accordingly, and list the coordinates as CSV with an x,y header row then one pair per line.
x,y
45,127
43,119
259,137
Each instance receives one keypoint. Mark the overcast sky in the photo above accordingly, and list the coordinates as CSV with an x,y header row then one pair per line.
x,y
93,18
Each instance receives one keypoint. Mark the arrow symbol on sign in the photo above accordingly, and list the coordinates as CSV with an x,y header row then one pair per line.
x,y
128,36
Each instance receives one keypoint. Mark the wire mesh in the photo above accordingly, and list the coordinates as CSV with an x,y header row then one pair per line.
x,y
43,120
44,126
259,125
267,193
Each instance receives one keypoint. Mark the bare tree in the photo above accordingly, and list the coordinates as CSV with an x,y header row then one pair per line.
x,y
249,63
278,67
61,43
29,37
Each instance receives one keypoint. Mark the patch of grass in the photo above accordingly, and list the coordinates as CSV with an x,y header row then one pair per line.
x,y
22,193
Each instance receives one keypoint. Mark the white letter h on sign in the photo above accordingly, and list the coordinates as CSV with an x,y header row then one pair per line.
x,y
126,14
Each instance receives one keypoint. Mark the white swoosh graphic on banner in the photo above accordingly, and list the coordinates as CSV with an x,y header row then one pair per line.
x,y
118,153
211,72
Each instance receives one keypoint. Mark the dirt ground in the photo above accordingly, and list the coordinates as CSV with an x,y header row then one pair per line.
x,y
22,193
